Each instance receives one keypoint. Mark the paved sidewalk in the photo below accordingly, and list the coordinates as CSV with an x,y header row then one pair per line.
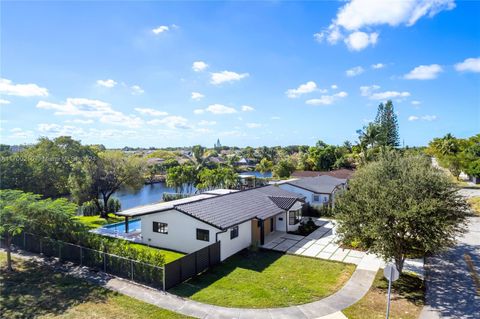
x,y
327,308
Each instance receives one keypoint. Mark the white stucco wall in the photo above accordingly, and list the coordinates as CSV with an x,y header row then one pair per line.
x,y
307,194
182,234
229,246
281,224
182,231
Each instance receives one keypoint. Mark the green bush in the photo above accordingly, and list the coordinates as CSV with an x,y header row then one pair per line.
x,y
306,228
91,209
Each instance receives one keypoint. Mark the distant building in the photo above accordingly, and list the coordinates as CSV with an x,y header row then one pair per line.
x,y
217,145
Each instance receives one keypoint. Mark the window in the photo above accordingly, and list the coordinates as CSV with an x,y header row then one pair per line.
x,y
203,234
161,228
316,198
234,232
294,217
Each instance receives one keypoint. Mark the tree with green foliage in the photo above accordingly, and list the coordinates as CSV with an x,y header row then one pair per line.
x,y
45,167
283,169
21,211
101,178
182,178
400,206
322,156
449,152
387,122
221,177
264,166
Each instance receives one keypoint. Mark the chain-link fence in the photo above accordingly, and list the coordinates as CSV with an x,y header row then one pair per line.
x,y
140,272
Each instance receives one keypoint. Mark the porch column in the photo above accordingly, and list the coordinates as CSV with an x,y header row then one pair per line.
x,y
126,224
262,232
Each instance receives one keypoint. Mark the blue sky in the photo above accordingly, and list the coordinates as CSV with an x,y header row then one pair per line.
x,y
249,73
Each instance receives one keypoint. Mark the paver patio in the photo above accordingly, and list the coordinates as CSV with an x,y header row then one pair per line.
x,y
321,243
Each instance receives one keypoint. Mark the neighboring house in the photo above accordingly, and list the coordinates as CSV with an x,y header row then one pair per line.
x,y
237,219
318,191
342,173
216,160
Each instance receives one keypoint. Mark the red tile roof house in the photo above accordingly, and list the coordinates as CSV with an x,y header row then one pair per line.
x,y
237,219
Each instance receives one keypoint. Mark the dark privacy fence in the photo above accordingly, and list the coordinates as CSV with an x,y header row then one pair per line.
x,y
190,265
140,272
164,278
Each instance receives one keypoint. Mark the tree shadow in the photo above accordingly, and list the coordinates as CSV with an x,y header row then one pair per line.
x,y
451,287
34,289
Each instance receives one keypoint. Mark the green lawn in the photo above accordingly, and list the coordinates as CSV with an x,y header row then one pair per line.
x,y
35,291
93,222
266,279
408,295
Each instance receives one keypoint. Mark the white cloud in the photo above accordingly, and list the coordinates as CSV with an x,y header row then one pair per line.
x,y
20,133
389,95
368,90
354,71
428,118
226,76
275,118
424,72
109,83
148,111
378,66
358,40
247,108
220,109
197,96
253,125
334,86
137,90
160,29
199,66
468,65
416,102
60,130
305,88
4,102
173,122
358,14
94,109
216,109
327,99
8,88
80,121
207,123
371,92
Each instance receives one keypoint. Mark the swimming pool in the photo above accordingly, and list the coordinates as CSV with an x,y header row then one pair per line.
x,y
133,225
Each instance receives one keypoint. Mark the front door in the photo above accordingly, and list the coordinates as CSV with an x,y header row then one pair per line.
x,y
272,224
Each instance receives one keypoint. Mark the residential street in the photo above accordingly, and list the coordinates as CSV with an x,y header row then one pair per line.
x,y
451,290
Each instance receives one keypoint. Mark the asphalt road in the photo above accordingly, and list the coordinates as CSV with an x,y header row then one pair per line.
x,y
451,289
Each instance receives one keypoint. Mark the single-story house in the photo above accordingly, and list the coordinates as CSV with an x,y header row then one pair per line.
x,y
237,219
318,191
342,173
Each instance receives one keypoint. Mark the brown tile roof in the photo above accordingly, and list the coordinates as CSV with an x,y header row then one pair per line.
x,y
339,173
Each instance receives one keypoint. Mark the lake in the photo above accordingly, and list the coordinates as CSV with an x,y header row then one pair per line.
x,y
152,193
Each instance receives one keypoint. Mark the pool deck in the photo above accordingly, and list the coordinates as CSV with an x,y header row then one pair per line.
x,y
133,236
